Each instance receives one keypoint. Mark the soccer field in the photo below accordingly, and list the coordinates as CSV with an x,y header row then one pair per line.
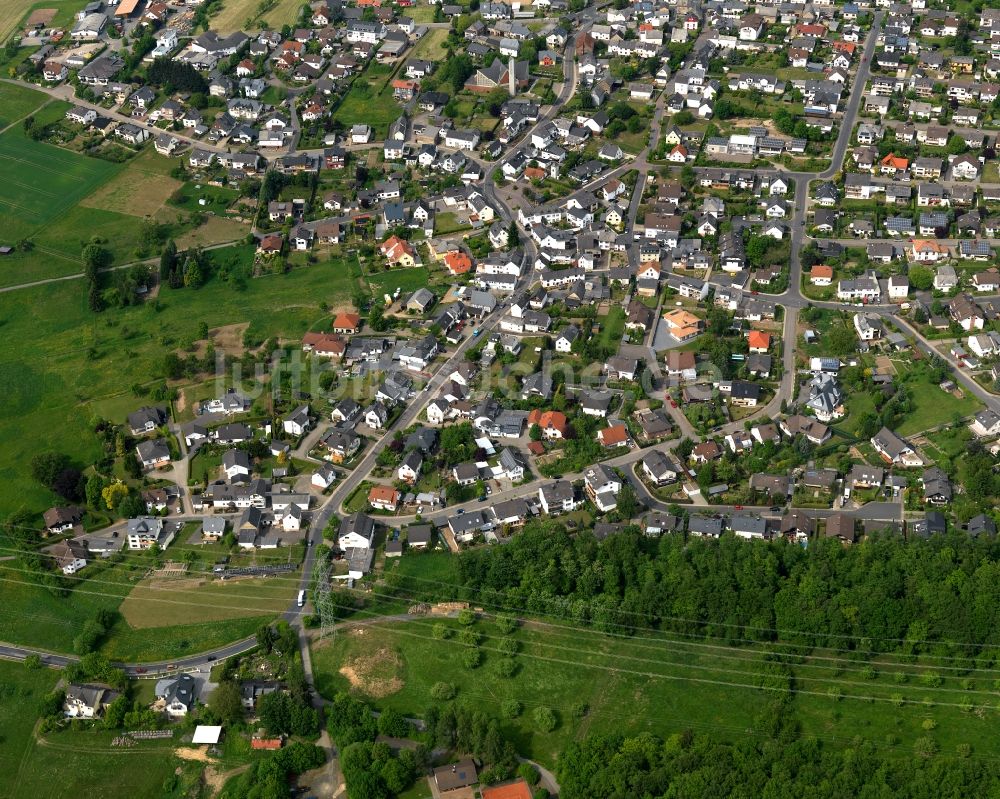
x,y
40,183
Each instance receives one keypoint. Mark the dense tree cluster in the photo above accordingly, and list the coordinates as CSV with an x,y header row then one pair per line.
x,y
373,771
175,76
464,729
696,766
885,594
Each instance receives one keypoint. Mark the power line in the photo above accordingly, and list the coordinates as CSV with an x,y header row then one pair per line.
x,y
462,590
657,675
706,681
742,655
701,645
736,625
701,623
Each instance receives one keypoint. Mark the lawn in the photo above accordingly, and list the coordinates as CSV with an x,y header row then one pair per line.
x,y
649,683
370,100
612,327
857,405
407,280
447,222
199,197
16,102
934,406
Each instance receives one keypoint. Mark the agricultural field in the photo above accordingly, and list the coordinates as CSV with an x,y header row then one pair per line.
x,y
41,187
141,189
235,13
155,602
17,102
39,182
596,683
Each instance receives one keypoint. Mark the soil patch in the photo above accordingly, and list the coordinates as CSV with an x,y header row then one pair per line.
x,y
376,674
40,16
229,338
192,753
885,365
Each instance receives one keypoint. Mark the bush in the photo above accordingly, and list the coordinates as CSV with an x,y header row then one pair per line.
x,y
511,709
925,747
392,724
545,719
442,632
506,668
466,617
506,624
529,773
472,658
443,691
507,646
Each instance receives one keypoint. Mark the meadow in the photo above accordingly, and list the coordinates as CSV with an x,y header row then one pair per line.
x,y
21,694
598,683
87,765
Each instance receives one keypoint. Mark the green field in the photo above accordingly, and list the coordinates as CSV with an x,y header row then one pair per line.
x,y
370,100
16,102
85,761
20,699
161,619
934,406
430,45
39,183
649,683
87,765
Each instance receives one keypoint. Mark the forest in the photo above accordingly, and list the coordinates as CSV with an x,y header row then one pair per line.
x,y
940,596
695,766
